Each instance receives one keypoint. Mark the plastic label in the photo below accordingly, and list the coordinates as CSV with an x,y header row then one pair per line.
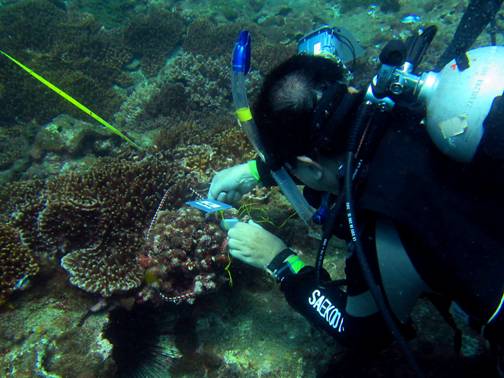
x,y
209,205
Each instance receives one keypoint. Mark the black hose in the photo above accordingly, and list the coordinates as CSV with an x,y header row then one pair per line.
x,y
476,17
327,230
364,114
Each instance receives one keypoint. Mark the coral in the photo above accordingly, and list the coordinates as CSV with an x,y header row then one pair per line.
x,y
111,13
154,37
171,99
97,219
267,55
212,40
20,204
13,145
206,80
42,336
108,268
134,105
204,148
30,24
67,136
186,257
216,41
16,262
70,50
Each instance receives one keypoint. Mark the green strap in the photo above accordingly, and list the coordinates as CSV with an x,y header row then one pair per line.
x,y
252,165
295,263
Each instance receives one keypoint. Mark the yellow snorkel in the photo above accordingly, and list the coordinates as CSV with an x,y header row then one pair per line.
x,y
71,100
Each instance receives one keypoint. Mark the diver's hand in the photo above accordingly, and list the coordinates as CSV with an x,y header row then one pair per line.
x,y
230,184
253,245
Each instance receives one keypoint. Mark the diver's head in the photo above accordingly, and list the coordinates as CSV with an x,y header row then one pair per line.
x,y
299,113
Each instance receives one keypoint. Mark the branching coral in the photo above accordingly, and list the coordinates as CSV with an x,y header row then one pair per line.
x,y
16,262
186,257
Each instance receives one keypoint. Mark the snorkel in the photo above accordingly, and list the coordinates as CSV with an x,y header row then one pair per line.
x,y
240,68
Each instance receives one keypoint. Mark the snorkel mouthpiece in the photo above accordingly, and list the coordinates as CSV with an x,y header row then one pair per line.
x,y
241,53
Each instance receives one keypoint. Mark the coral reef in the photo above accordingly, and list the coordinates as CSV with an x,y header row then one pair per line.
x,y
97,220
154,37
20,204
110,13
203,148
31,24
205,80
14,143
16,262
70,137
185,259
70,50
43,336
217,41
209,39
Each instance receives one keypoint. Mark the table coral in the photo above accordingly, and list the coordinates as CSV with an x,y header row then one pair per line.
x,y
97,220
16,262
154,36
20,204
186,257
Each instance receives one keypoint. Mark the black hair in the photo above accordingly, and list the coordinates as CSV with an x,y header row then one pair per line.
x,y
284,109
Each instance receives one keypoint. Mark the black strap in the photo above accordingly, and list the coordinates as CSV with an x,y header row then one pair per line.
x,y
277,266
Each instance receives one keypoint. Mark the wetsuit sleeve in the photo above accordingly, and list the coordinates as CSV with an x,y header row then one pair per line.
x,y
264,173
325,307
492,142
488,162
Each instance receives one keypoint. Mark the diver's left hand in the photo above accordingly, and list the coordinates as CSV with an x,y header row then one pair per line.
x,y
253,245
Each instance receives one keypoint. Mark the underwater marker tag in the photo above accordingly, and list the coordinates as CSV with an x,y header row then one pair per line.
x,y
209,205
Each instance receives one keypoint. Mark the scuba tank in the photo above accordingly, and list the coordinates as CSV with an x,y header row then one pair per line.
x,y
455,100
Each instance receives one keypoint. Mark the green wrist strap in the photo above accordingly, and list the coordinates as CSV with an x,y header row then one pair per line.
x,y
295,264
284,264
252,166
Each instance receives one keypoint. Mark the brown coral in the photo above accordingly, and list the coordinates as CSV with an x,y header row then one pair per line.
x,y
97,219
153,37
16,262
20,204
186,257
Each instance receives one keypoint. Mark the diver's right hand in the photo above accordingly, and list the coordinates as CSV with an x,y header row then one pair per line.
x,y
230,184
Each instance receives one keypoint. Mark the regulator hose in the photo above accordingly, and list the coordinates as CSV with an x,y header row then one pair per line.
x,y
364,115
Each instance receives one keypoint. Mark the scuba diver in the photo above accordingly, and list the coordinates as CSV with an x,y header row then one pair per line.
x,y
408,171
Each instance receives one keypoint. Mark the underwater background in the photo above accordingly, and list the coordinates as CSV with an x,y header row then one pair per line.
x,y
94,282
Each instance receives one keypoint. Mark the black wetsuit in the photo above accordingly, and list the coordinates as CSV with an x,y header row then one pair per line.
x,y
448,215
